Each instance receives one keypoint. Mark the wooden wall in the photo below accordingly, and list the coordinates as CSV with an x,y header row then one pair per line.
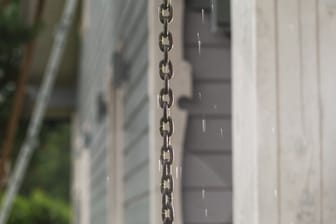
x,y
207,179
95,59
284,124
133,32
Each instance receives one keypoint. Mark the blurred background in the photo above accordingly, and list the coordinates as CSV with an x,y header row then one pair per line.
x,y
254,125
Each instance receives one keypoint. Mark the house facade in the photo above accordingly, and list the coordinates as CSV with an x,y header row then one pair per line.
x,y
241,87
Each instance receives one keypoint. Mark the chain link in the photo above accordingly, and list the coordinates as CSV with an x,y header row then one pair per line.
x,y
166,100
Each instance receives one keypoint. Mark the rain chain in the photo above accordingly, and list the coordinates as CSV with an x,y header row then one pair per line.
x,y
166,123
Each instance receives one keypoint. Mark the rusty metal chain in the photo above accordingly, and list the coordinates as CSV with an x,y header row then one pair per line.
x,y
166,99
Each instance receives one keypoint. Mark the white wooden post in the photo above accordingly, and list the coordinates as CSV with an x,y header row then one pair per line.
x,y
284,89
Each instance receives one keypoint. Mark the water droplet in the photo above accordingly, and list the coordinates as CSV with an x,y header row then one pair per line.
x,y
222,132
177,172
199,43
275,193
215,107
206,212
200,96
108,178
203,125
203,193
212,6
158,101
273,130
202,15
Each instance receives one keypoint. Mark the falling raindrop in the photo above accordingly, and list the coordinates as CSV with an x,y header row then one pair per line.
x,y
203,125
212,6
199,43
202,15
200,96
206,212
215,107
222,132
107,178
275,193
177,172
158,101
203,193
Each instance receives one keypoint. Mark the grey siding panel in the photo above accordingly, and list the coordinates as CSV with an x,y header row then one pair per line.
x,y
215,170
137,156
215,137
208,69
138,212
195,25
134,31
137,185
207,165
137,128
210,98
214,208
136,99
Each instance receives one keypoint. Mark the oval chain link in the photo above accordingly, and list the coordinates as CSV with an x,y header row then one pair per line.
x,y
166,99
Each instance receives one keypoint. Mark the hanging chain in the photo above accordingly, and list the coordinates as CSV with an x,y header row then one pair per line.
x,y
166,123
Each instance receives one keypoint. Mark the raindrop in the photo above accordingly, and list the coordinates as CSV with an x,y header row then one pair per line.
x,y
215,107
200,96
222,132
273,130
108,178
275,193
212,6
177,172
203,193
206,212
199,43
158,101
203,125
202,16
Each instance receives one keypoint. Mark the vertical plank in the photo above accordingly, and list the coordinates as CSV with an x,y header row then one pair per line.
x,y
298,115
327,53
244,124
266,87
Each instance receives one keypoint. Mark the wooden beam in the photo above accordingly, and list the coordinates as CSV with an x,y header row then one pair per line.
x,y
284,111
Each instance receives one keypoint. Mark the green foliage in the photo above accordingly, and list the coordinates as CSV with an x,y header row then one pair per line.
x,y
14,32
50,166
38,208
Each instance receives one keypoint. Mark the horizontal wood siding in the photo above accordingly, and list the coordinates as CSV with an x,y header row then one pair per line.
x,y
134,34
95,63
207,168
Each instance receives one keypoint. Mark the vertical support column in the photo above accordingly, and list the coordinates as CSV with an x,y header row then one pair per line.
x,y
283,114
327,68
254,112
181,85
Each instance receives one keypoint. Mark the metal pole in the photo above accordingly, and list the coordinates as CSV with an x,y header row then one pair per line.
x,y
29,144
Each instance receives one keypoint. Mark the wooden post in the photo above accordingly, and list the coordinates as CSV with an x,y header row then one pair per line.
x,y
284,111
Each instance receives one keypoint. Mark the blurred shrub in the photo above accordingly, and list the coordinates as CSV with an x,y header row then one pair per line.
x,y
38,208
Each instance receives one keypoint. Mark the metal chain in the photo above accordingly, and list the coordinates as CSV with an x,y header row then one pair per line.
x,y
166,123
